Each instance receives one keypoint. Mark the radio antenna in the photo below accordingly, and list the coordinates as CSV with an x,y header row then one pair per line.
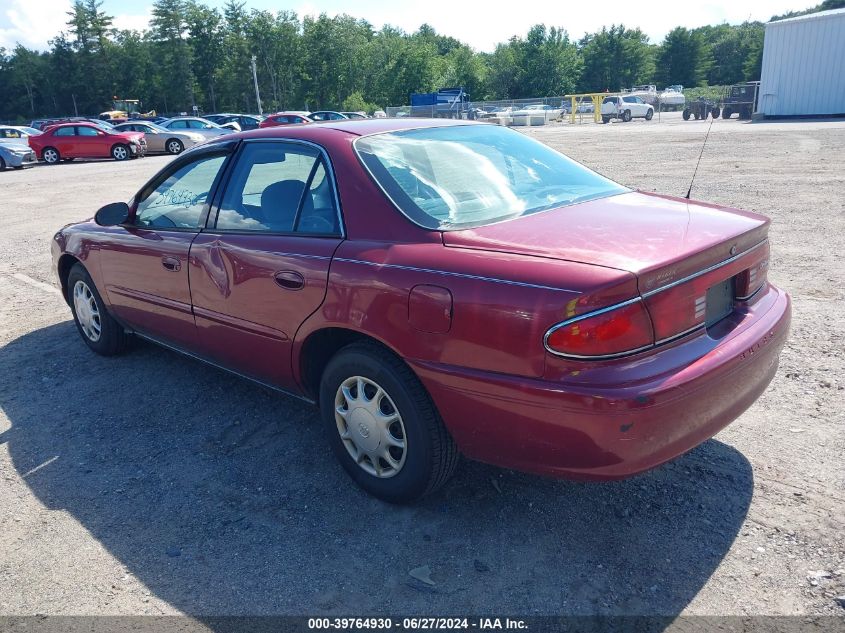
x,y
703,145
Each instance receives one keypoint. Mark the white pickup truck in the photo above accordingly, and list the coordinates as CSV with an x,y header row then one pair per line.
x,y
625,108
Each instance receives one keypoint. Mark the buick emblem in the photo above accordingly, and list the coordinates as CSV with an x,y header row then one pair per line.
x,y
733,249
363,430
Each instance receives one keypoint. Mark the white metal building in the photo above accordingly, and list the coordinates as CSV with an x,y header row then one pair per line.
x,y
804,66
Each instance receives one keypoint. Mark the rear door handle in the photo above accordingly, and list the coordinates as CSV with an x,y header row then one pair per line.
x,y
171,263
289,280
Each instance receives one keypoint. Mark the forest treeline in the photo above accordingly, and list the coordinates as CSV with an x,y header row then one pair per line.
x,y
193,54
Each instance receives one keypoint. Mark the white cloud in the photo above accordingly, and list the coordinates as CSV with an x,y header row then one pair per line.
x,y
32,22
134,22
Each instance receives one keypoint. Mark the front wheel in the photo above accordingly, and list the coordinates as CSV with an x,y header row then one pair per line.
x,y
382,425
120,152
686,114
2,164
174,146
97,328
715,112
726,113
649,114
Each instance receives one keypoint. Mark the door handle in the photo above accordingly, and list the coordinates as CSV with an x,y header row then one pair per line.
x,y
289,280
171,263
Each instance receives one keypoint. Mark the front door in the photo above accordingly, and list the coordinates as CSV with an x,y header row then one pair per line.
x,y
261,267
145,262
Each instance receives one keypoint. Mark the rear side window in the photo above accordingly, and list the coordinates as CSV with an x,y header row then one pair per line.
x,y
178,125
65,131
279,188
177,202
609,100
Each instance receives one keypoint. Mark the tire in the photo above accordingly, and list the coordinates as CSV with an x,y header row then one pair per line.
x,y
2,164
89,312
174,146
686,114
715,112
649,114
120,152
51,156
726,113
428,455
626,116
696,115
605,119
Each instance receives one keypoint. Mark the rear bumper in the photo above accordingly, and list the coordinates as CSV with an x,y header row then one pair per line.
x,y
615,428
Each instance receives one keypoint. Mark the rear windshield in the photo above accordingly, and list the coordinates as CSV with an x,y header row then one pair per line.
x,y
464,176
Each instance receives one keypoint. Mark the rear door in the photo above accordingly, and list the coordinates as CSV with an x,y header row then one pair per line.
x,y
261,267
145,262
64,139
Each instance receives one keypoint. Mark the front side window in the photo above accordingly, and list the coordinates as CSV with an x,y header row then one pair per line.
x,y
87,131
177,202
463,176
279,188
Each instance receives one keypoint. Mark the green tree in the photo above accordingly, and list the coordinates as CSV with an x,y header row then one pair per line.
x,y
615,58
168,29
683,58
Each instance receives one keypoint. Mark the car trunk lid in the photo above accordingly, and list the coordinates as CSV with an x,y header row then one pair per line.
x,y
678,250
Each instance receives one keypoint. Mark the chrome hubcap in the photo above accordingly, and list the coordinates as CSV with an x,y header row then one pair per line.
x,y
174,148
86,310
119,153
50,156
370,426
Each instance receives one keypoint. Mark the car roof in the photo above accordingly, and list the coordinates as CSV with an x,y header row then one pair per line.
x,y
356,127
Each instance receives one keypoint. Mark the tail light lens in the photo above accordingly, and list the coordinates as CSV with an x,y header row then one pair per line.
x,y
619,330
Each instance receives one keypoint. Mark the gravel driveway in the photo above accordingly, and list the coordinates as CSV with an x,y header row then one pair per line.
x,y
152,484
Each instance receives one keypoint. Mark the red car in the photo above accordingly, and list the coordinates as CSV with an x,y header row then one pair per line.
x,y
285,118
86,140
440,288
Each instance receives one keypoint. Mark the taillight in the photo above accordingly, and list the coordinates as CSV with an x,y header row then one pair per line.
x,y
614,331
752,279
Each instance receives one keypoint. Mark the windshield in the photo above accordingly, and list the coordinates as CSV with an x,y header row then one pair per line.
x,y
470,175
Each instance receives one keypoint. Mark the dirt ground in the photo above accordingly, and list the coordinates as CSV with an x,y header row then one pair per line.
x,y
152,484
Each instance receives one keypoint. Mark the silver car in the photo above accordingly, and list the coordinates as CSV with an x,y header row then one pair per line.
x,y
195,124
160,139
16,154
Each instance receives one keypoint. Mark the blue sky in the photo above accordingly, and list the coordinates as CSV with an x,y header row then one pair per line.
x,y
479,23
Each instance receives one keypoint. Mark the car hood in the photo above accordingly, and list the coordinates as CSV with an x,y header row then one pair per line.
x,y
658,238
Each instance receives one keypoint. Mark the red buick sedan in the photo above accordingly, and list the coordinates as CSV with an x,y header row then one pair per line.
x,y
85,140
441,288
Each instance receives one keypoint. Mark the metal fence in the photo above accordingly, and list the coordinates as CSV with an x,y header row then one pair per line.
x,y
534,111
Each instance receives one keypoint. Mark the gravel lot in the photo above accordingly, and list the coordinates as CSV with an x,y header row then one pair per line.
x,y
151,484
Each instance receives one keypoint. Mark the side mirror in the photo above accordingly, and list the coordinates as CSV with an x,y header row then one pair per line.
x,y
112,214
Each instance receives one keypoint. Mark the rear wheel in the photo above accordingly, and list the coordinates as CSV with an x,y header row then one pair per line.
x,y
174,146
605,119
2,164
97,328
626,116
382,425
715,112
51,155
726,113
686,114
120,152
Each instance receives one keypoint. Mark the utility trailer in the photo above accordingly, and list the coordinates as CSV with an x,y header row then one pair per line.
x,y
740,99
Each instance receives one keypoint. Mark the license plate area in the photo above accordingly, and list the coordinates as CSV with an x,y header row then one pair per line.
x,y
720,301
